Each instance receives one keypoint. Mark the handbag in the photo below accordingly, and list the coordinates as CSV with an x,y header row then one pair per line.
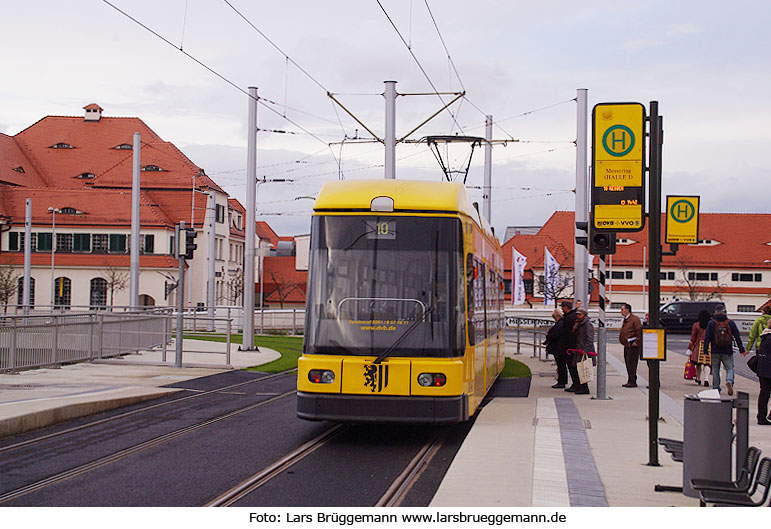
x,y
690,370
752,363
585,370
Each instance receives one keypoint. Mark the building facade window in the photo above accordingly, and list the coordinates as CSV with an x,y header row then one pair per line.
x,y
220,213
616,274
81,242
64,242
117,243
528,286
147,243
43,242
100,243
63,292
746,308
98,295
31,292
746,277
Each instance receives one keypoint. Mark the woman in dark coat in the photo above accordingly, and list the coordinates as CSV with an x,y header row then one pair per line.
x,y
698,356
764,374
584,333
553,337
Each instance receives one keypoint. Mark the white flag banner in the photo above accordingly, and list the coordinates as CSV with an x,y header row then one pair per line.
x,y
551,277
518,264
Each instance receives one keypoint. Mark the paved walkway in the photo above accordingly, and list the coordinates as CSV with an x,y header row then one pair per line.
x,y
560,449
41,397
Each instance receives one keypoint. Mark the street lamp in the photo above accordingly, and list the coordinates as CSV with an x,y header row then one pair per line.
x,y
54,211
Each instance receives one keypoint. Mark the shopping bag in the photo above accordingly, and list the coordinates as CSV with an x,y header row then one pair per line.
x,y
690,370
585,370
752,363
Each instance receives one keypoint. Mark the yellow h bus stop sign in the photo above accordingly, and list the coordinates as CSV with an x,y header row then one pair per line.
x,y
618,167
682,220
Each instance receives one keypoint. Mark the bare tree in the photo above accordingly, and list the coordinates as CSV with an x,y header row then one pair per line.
x,y
117,280
234,288
560,287
283,287
9,284
696,289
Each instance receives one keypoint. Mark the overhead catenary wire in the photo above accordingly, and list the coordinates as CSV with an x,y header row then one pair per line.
x,y
228,81
420,66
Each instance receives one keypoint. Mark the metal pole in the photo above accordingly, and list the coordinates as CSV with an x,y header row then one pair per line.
x,y
654,267
390,129
602,337
53,251
486,188
251,225
645,276
262,295
210,301
134,258
228,329
180,294
582,204
27,255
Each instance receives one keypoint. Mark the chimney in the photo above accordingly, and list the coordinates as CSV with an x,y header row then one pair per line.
x,y
93,112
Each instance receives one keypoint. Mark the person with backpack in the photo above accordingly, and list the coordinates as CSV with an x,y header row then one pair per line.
x,y
718,341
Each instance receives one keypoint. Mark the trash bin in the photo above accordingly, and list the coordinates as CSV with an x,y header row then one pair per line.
x,y
706,440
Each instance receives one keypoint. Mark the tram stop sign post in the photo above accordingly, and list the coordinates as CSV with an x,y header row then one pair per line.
x,y
682,220
618,167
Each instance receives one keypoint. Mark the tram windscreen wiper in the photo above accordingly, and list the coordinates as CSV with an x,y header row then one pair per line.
x,y
385,354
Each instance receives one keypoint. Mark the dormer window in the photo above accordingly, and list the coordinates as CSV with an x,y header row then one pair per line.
x,y
69,211
62,145
124,147
151,168
86,176
19,169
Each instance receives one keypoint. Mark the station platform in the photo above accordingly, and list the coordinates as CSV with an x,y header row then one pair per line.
x,y
554,448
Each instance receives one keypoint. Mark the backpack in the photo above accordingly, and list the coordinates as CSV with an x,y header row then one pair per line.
x,y
723,336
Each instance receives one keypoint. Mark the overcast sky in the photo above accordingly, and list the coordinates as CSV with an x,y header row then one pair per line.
x,y
706,62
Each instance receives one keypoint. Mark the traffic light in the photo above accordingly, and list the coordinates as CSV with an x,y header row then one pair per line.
x,y
602,243
189,239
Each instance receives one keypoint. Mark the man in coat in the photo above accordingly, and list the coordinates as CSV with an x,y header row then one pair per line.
x,y
631,338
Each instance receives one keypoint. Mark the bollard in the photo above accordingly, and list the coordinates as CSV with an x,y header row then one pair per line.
x,y
227,341
519,329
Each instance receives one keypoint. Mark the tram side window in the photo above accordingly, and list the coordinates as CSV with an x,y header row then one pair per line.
x,y
470,305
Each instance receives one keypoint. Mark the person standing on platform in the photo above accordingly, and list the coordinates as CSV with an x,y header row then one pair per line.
x,y
697,352
764,375
630,337
760,325
553,340
584,333
568,339
718,341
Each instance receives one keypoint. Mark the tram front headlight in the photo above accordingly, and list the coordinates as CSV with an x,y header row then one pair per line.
x,y
432,379
321,376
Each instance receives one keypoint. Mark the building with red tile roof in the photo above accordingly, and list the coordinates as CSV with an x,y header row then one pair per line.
x,y
731,262
82,167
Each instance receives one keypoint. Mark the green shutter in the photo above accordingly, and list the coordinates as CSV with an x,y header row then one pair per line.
x,y
81,242
117,243
149,243
44,242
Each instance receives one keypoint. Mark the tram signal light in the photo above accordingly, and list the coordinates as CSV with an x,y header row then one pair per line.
x,y
188,242
602,243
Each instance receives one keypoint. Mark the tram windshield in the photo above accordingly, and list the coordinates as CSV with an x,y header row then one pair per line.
x,y
385,283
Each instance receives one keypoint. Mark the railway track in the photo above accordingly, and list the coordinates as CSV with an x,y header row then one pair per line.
x,y
393,496
144,409
126,452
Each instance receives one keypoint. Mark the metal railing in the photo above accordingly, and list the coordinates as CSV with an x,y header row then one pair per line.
x,y
530,328
38,340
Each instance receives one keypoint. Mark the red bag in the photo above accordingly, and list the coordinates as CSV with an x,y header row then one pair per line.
x,y
690,371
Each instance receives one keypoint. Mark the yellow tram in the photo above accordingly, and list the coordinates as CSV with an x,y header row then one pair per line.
x,y
404,315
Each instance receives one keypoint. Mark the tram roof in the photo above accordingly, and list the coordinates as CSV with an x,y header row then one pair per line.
x,y
407,195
